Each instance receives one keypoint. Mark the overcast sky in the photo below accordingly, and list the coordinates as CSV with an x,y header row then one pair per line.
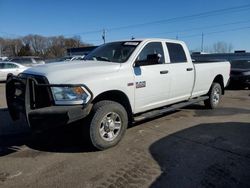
x,y
185,20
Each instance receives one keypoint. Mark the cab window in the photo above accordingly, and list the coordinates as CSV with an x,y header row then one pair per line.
x,y
176,53
151,54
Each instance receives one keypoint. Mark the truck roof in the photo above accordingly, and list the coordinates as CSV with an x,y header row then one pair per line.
x,y
152,39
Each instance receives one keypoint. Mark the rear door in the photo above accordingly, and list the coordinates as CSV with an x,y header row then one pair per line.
x,y
181,71
151,78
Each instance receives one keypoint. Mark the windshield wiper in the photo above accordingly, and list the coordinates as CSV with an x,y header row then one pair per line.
x,y
101,58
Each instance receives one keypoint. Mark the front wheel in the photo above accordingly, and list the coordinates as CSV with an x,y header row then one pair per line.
x,y
214,96
108,124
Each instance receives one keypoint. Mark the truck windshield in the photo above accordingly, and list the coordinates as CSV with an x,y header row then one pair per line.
x,y
114,52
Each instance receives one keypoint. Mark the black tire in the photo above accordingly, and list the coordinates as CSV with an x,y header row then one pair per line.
x,y
214,96
106,117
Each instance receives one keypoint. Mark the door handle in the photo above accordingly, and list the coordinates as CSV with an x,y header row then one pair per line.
x,y
189,69
164,72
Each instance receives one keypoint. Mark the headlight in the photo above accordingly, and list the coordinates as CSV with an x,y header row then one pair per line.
x,y
70,95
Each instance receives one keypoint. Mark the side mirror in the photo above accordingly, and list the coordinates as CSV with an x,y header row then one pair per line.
x,y
152,59
137,64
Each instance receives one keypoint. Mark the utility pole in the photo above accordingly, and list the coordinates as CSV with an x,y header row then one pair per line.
x,y
202,42
104,36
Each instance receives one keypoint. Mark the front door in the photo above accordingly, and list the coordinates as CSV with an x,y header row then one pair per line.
x,y
151,78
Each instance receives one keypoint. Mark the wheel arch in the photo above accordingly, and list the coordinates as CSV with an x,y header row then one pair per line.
x,y
117,96
219,79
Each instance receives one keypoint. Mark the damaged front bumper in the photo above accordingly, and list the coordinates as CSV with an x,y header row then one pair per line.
x,y
31,95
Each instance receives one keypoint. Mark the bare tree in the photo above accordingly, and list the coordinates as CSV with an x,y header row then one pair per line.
x,y
222,47
56,47
11,47
1,46
25,51
47,47
36,42
72,42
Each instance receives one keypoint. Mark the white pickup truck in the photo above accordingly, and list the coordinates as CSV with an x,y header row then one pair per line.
x,y
118,83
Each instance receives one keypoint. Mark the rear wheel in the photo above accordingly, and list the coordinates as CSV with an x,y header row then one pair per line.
x,y
214,96
108,124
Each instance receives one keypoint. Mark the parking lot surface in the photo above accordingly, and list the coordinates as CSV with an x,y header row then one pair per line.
x,y
192,147
2,95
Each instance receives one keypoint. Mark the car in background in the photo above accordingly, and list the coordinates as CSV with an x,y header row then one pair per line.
x,y
28,60
10,67
72,58
3,58
240,74
66,59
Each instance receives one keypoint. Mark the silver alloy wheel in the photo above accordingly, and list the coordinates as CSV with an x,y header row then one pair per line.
x,y
110,126
216,96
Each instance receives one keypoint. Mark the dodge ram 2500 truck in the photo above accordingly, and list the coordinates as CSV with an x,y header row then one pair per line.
x,y
117,83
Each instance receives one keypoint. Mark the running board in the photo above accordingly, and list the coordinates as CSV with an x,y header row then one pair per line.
x,y
158,112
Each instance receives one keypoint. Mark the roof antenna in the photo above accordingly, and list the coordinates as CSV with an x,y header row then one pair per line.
x,y
132,38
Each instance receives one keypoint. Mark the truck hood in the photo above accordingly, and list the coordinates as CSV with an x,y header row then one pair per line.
x,y
68,72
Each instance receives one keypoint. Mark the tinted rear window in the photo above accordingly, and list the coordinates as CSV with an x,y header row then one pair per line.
x,y
176,53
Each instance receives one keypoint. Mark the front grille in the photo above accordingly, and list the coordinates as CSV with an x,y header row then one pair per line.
x,y
27,92
15,96
40,94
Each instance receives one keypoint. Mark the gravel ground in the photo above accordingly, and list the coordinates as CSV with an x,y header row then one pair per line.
x,y
2,96
192,147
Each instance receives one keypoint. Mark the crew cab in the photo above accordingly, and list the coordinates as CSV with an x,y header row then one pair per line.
x,y
116,84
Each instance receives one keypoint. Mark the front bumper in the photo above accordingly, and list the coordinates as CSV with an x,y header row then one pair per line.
x,y
54,116
32,97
